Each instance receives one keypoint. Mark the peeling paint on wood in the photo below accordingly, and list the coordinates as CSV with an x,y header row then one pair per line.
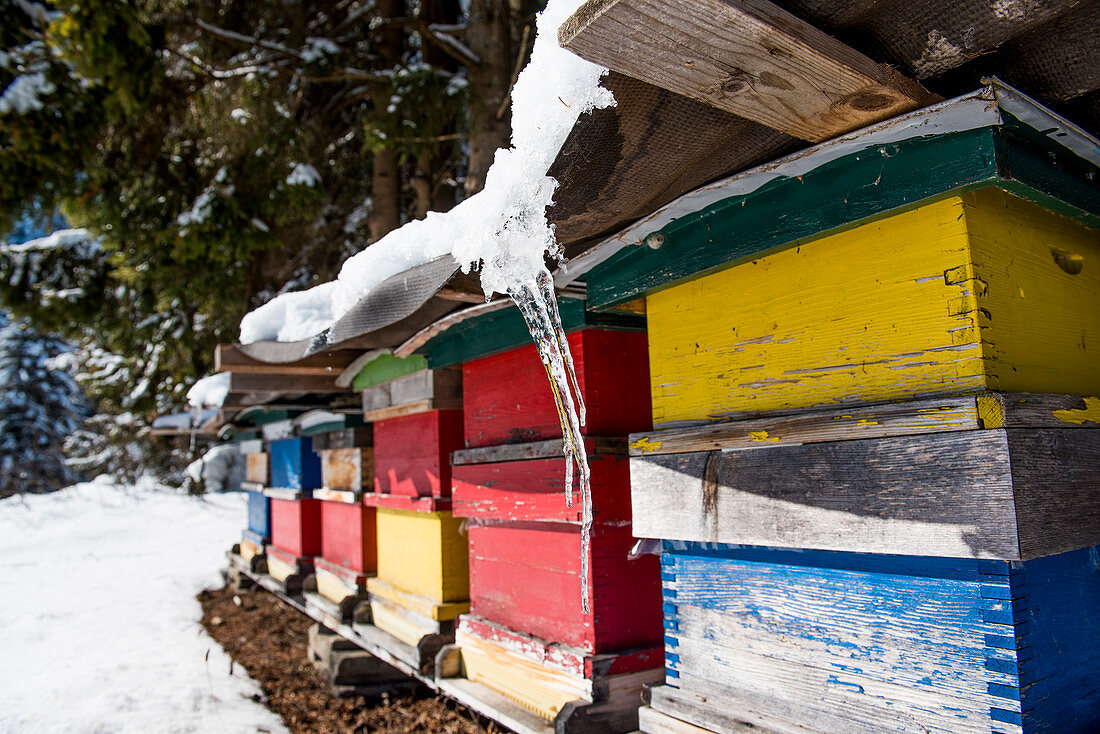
x,y
922,302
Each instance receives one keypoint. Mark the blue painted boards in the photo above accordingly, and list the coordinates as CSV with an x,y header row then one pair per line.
x,y
259,514
850,642
294,464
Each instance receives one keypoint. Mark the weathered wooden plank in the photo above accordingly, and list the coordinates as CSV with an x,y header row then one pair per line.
x,y
858,626
553,448
958,413
229,358
494,705
902,418
947,494
348,438
413,392
348,469
533,490
749,58
256,466
1057,486
265,382
1010,494
652,721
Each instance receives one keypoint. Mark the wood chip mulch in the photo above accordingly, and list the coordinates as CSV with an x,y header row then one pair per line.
x,y
268,638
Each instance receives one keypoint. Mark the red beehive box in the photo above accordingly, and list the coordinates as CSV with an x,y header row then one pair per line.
x,y
534,489
525,553
348,535
526,576
412,457
507,398
296,525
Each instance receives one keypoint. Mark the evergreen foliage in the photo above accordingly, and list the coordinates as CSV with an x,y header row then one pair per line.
x,y
220,151
40,405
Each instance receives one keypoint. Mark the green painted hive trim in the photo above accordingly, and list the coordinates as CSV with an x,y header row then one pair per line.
x,y
261,416
848,191
499,331
385,368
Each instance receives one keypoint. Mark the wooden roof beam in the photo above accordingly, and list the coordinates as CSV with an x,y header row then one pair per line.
x,y
748,57
228,358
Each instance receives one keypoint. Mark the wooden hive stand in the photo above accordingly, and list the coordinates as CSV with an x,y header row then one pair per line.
x,y
527,638
872,466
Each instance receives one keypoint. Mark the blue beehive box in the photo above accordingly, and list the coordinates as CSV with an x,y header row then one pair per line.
x,y
947,644
295,465
259,515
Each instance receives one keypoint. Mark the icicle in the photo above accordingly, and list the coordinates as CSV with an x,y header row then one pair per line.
x,y
536,301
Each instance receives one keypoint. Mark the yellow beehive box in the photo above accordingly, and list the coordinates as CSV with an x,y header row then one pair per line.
x,y
977,291
423,554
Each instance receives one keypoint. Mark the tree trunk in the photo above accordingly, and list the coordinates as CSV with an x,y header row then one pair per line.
x,y
490,37
386,175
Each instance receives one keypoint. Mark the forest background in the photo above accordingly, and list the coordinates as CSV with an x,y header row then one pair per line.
x,y
203,157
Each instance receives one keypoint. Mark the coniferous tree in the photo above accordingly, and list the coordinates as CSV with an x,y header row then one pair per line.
x,y
40,405
221,151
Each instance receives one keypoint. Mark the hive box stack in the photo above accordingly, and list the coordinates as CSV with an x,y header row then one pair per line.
x,y
872,461
295,515
526,636
348,543
258,532
422,580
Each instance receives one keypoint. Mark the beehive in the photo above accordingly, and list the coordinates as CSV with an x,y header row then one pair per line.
x,y
864,531
294,464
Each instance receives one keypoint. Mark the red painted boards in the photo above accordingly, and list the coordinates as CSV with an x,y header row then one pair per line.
x,y
526,576
507,399
296,526
348,536
412,453
535,490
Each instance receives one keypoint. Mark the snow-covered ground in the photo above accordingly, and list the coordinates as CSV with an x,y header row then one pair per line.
x,y
99,626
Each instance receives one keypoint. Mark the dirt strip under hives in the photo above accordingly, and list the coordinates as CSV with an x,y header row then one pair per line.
x,y
268,638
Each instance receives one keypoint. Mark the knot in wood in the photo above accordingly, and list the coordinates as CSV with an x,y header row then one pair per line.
x,y
736,82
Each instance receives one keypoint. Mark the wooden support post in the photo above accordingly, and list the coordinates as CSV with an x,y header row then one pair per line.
x,y
750,58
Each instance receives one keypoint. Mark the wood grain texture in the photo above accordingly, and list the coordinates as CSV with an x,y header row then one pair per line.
x,y
296,526
554,448
349,470
652,721
749,58
508,400
442,388
947,494
264,382
357,437
1036,279
228,358
567,658
533,490
428,608
767,637
902,418
1010,494
412,453
922,302
836,639
526,576
348,536
256,467
1057,489
423,554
